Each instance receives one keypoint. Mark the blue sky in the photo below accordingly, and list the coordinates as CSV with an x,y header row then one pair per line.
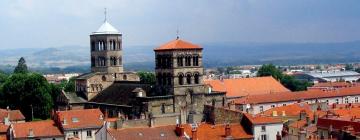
x,y
56,23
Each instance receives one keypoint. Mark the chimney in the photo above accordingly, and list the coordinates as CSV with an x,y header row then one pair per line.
x,y
64,122
179,130
31,133
7,119
274,113
194,133
227,130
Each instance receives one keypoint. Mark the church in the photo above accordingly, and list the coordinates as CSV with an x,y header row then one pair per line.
x,y
178,96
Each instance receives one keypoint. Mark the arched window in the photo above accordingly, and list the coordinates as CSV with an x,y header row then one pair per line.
x,y
196,60
162,108
105,45
114,45
92,46
188,61
188,78
124,77
180,61
181,79
196,78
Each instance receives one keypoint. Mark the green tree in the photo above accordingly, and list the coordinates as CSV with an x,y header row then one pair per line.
x,y
349,67
55,91
147,77
30,93
286,80
21,67
269,70
3,77
70,85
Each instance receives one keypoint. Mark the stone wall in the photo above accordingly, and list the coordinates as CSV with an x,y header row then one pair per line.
x,y
220,115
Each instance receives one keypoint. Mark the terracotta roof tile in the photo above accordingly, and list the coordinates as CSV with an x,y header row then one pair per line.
x,y
297,96
155,133
261,119
177,44
15,115
45,128
247,86
289,110
215,132
3,137
86,118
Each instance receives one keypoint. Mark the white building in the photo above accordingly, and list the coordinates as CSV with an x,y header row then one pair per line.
x,y
263,128
328,76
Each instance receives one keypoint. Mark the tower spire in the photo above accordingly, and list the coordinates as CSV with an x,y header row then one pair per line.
x,y
105,16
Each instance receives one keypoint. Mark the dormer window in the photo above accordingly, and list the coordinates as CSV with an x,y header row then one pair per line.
x,y
75,119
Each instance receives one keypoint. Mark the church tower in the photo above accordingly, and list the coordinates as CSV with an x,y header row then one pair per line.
x,y
179,68
106,49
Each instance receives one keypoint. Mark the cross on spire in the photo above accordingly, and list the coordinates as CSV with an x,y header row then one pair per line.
x,y
105,14
177,34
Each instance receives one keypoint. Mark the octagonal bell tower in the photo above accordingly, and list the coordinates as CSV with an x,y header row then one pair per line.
x,y
106,49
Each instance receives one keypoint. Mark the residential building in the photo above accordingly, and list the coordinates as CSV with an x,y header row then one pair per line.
x,y
37,130
236,88
254,104
262,128
79,124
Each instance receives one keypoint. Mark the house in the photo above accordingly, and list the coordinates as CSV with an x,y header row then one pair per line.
x,y
236,88
79,124
37,130
261,127
255,104
8,116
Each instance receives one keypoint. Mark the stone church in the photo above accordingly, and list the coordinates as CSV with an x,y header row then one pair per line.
x,y
178,96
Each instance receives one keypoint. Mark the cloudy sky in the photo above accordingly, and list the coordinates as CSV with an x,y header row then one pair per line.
x,y
56,23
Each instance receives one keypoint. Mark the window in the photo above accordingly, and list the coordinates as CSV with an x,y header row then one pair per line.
x,y
261,108
75,133
196,78
346,100
124,77
88,133
272,106
284,104
180,61
188,61
162,108
263,128
196,60
188,79
356,99
263,137
327,101
337,101
181,79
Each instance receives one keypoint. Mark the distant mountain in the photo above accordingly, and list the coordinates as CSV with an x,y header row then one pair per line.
x,y
77,58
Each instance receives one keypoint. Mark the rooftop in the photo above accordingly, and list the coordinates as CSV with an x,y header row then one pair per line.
x,y
106,28
247,86
298,96
46,128
217,132
257,120
15,115
76,119
147,133
177,44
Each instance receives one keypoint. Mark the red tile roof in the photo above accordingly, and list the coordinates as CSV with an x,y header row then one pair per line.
x,y
289,110
337,124
45,128
3,128
256,120
155,133
86,118
332,84
15,115
177,44
247,86
3,137
297,96
217,132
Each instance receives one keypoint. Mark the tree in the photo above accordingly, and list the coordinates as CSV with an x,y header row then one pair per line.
x,y
269,70
286,80
349,67
29,92
3,77
147,77
21,67
70,85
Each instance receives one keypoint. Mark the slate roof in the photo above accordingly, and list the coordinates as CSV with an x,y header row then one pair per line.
x,y
120,93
